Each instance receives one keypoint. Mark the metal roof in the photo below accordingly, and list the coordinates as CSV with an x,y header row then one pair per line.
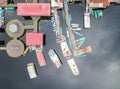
x,y
33,39
1,1
33,9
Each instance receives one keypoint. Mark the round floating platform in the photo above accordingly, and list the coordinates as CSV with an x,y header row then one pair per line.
x,y
15,48
15,28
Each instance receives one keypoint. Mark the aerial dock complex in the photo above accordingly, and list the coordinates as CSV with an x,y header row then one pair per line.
x,y
34,41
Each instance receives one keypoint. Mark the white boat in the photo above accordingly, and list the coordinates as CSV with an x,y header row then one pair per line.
x,y
86,20
54,58
65,49
75,25
31,70
73,67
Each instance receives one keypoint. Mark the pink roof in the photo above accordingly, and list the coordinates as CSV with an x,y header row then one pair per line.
x,y
33,9
33,39
41,59
1,1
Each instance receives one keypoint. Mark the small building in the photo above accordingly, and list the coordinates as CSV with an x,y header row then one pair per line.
x,y
59,1
4,2
98,3
33,9
34,39
1,1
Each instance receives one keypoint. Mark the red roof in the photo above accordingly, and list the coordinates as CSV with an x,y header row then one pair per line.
x,y
33,39
33,9
61,1
105,2
1,1
41,59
